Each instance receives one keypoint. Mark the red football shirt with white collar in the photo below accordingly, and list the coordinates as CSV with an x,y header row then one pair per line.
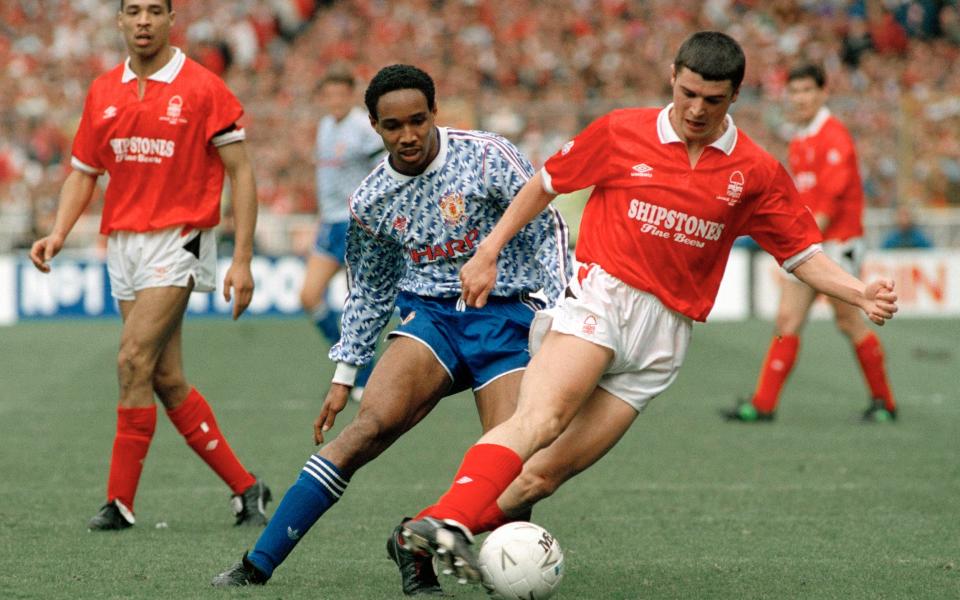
x,y
160,150
824,165
664,227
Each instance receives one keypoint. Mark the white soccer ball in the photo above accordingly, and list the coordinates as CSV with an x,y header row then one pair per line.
x,y
521,561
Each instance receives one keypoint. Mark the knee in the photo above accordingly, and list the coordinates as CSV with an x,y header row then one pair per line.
x,y
135,360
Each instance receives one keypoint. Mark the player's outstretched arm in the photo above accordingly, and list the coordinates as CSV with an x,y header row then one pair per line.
x,y
479,276
75,195
878,300
238,282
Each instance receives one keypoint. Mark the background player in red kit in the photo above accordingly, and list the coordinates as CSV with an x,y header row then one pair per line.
x,y
674,187
824,165
164,128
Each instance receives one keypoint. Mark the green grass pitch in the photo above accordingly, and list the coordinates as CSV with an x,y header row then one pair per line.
x,y
815,505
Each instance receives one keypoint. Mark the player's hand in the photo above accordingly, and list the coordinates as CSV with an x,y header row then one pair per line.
x,y
478,277
336,399
881,300
238,283
45,249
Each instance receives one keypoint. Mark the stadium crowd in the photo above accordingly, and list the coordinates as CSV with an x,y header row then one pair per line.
x,y
535,72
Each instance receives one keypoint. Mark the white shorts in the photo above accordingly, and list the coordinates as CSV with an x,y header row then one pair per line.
x,y
649,341
847,253
163,258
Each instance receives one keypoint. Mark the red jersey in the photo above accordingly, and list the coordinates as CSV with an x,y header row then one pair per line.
x,y
160,150
824,165
664,227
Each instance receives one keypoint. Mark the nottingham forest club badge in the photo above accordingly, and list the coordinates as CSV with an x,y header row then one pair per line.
x,y
453,208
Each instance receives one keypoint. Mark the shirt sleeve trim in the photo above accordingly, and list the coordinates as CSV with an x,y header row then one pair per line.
x,y
801,257
547,182
230,137
79,165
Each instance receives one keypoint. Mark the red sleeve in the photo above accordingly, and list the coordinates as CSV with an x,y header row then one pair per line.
x,y
835,176
224,111
84,143
582,162
781,224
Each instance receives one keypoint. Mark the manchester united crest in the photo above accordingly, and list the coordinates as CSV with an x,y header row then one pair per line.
x,y
453,208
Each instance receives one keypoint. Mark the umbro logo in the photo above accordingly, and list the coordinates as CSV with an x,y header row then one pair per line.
x,y
293,534
110,112
464,480
642,170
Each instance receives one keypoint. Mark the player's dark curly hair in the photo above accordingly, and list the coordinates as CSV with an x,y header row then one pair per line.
x,y
169,5
809,71
399,77
713,55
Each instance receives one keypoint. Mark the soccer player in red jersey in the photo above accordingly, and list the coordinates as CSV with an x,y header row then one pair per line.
x,y
674,187
824,165
165,129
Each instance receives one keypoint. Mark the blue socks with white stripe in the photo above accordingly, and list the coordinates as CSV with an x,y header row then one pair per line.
x,y
319,486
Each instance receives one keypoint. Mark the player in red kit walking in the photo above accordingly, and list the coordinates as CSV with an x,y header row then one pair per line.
x,y
673,188
165,129
824,165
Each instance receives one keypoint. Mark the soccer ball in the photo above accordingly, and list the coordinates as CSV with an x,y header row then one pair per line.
x,y
521,561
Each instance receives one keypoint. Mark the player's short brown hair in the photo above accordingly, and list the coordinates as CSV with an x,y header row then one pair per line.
x,y
713,55
338,74
812,71
169,5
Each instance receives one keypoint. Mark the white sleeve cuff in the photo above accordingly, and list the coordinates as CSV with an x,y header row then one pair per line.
x,y
345,374
230,137
84,167
801,257
547,182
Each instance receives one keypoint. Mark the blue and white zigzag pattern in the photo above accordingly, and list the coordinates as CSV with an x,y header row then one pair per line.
x,y
399,238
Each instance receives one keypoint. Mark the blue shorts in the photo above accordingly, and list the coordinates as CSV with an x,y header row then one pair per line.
x,y
475,346
332,240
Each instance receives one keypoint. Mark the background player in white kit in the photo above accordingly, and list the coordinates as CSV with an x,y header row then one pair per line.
x,y
417,218
165,129
347,149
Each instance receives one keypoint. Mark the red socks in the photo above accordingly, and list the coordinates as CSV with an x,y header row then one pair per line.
x,y
135,427
486,471
776,368
870,354
195,421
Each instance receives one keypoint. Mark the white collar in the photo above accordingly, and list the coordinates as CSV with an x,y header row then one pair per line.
x,y
814,126
434,165
166,74
668,135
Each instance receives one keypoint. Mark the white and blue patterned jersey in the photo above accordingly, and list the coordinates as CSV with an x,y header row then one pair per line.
x,y
345,152
414,233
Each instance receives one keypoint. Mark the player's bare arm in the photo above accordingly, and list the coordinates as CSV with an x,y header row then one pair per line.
x,y
479,275
75,196
878,300
243,192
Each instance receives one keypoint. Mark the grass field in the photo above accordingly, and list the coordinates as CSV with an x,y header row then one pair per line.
x,y
815,505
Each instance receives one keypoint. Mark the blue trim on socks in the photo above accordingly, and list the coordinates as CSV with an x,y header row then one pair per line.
x,y
318,487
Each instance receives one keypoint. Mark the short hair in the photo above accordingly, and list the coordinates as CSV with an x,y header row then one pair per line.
x,y
713,55
812,71
399,77
169,5
338,74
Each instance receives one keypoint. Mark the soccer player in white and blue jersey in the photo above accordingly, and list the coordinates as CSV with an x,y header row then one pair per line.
x,y
346,150
417,218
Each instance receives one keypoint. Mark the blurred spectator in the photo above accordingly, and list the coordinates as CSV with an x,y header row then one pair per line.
x,y
535,71
907,233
